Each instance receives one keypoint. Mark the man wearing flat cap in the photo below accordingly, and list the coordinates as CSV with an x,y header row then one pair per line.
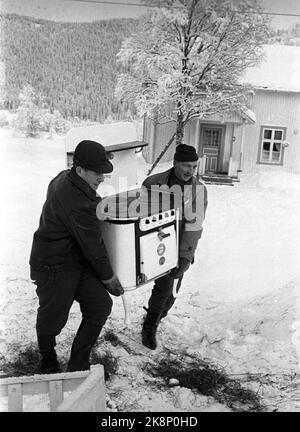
x,y
69,261
194,203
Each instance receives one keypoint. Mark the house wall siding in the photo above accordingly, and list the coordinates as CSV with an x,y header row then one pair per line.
x,y
281,109
158,135
271,108
190,133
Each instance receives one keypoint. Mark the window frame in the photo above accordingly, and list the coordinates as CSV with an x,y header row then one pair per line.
x,y
283,129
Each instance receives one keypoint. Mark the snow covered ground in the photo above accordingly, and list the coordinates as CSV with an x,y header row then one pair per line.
x,y
238,308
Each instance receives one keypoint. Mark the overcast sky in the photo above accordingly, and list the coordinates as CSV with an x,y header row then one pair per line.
x,y
71,10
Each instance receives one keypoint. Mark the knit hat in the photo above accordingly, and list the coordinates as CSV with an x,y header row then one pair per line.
x,y
185,153
92,155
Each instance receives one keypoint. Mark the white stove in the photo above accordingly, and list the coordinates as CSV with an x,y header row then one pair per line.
x,y
142,245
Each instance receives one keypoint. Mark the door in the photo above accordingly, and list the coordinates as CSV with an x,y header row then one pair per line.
x,y
211,139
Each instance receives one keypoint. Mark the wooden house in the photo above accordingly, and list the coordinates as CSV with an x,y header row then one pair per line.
x,y
264,137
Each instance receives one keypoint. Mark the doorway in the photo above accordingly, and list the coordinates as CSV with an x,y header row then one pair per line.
x,y
211,139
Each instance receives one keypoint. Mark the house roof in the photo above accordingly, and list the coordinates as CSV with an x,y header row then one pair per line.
x,y
280,70
248,115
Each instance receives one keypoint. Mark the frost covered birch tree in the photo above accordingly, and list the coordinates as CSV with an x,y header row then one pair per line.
x,y
186,57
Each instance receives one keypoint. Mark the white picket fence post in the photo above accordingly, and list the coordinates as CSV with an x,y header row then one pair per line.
x,y
87,387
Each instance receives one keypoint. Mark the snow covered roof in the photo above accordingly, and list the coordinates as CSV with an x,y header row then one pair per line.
x,y
113,136
280,70
248,115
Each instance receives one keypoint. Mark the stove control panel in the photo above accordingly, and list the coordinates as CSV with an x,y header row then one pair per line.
x,y
157,220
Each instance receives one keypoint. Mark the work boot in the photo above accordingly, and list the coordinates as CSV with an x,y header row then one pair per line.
x,y
48,363
79,361
149,330
83,343
162,315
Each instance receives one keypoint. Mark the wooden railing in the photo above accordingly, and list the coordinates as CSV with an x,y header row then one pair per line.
x,y
87,387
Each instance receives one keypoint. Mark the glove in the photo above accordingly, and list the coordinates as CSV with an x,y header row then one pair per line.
x,y
113,286
182,267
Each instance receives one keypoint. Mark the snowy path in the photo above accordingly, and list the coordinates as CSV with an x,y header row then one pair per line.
x,y
239,306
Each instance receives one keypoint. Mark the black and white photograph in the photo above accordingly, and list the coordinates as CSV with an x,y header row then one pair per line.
x,y
150,208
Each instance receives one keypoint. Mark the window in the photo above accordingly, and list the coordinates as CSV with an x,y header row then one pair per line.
x,y
271,148
211,137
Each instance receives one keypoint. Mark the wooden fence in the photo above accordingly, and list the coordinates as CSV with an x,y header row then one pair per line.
x,y
87,387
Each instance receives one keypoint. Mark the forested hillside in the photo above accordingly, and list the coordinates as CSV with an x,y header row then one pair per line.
x,y
73,65
290,36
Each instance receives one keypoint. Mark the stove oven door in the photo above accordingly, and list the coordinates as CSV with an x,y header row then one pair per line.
x,y
158,252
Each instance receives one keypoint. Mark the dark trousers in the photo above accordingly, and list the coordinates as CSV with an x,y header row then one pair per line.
x,y
57,291
162,298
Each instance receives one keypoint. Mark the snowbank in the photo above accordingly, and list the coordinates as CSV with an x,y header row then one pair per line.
x,y
274,181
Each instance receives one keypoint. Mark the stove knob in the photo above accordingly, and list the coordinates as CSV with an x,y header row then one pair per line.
x,y
166,214
162,260
160,217
154,219
147,221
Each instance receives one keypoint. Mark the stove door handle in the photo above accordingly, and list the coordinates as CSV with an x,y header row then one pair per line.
x,y
161,235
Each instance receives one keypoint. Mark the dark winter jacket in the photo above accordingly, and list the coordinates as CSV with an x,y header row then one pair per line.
x,y
193,214
69,231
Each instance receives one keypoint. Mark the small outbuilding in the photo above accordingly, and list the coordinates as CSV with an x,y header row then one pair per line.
x,y
121,141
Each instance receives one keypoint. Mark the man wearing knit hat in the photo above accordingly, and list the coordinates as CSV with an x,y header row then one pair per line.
x,y
69,261
194,204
